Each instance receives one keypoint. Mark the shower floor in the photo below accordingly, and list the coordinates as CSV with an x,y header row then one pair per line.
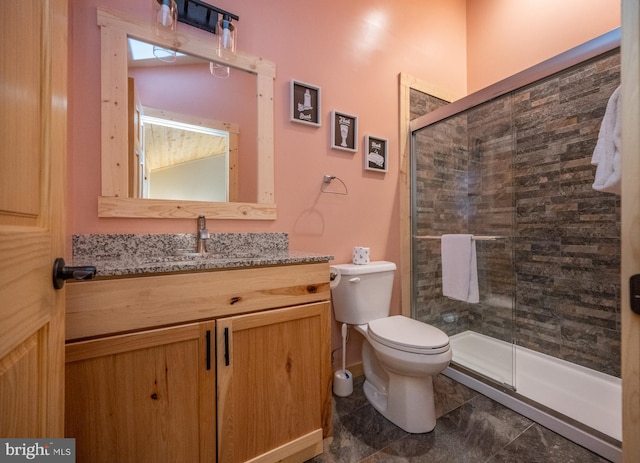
x,y
588,396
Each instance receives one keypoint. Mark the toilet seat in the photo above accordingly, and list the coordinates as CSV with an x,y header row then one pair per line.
x,y
409,335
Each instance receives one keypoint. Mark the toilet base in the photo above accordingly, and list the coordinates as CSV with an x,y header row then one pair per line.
x,y
408,404
404,397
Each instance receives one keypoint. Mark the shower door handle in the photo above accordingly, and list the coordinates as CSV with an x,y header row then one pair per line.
x,y
634,289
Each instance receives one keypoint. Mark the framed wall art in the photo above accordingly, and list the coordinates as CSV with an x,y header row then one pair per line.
x,y
344,131
305,103
375,154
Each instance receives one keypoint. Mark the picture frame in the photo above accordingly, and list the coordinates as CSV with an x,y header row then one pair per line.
x,y
305,103
344,131
376,154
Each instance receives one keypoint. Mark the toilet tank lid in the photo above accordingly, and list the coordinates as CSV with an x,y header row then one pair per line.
x,y
371,267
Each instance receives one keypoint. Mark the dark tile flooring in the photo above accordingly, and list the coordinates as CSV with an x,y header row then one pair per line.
x,y
470,428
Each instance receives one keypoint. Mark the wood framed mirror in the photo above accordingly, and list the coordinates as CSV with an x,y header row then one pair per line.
x,y
116,199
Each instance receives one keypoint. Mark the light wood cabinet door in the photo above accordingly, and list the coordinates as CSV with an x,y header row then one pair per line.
x,y
143,397
273,384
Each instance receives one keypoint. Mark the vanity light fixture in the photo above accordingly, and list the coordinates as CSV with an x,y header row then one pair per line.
x,y
219,70
165,15
204,16
227,38
217,21
164,54
165,19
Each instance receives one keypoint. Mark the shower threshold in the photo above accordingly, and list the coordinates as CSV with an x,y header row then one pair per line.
x,y
581,404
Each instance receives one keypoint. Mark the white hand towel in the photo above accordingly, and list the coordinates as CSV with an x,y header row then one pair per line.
x,y
606,155
459,268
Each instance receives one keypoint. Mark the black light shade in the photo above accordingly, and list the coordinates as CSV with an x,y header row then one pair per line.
x,y
201,15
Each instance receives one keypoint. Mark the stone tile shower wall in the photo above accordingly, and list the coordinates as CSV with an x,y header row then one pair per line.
x,y
519,167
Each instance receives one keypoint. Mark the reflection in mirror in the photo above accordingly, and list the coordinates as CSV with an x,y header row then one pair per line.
x,y
249,106
186,88
182,161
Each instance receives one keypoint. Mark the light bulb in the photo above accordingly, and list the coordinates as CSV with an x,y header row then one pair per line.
x,y
164,16
227,39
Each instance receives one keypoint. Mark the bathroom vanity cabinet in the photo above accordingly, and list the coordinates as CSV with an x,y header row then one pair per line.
x,y
227,366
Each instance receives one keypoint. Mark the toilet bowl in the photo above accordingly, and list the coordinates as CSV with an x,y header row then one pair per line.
x,y
399,383
400,355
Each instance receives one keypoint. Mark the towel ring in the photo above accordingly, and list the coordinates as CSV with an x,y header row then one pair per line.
x,y
326,180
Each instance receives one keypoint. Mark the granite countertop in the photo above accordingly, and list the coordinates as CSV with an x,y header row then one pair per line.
x,y
141,266
131,255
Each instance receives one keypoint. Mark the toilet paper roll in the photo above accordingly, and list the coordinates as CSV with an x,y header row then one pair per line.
x,y
361,255
334,278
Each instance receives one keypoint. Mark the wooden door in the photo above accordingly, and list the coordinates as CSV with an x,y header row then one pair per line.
x,y
143,397
630,51
33,100
272,373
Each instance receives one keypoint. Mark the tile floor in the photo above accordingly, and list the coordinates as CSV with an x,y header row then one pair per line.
x,y
470,428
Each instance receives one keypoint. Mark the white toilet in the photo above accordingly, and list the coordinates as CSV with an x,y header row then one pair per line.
x,y
400,355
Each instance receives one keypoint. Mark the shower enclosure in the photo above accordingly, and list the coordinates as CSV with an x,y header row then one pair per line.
x,y
511,165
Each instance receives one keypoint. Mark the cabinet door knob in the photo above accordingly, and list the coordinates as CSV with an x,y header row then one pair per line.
x,y
208,361
226,346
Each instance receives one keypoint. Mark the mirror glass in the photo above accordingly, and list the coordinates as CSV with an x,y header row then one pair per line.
x,y
185,117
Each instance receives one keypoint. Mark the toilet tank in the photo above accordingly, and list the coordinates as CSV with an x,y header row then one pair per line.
x,y
361,293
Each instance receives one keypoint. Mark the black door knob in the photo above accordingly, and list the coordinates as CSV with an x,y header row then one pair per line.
x,y
61,273
634,288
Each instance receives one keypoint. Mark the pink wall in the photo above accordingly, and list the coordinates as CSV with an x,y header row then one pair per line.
x,y
508,36
354,50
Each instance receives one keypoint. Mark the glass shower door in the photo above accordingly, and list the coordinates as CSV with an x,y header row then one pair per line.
x,y
462,182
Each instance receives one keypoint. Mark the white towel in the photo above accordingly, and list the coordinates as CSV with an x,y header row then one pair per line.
x,y
459,268
606,155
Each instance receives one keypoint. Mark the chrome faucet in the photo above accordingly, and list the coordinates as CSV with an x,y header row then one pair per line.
x,y
202,235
